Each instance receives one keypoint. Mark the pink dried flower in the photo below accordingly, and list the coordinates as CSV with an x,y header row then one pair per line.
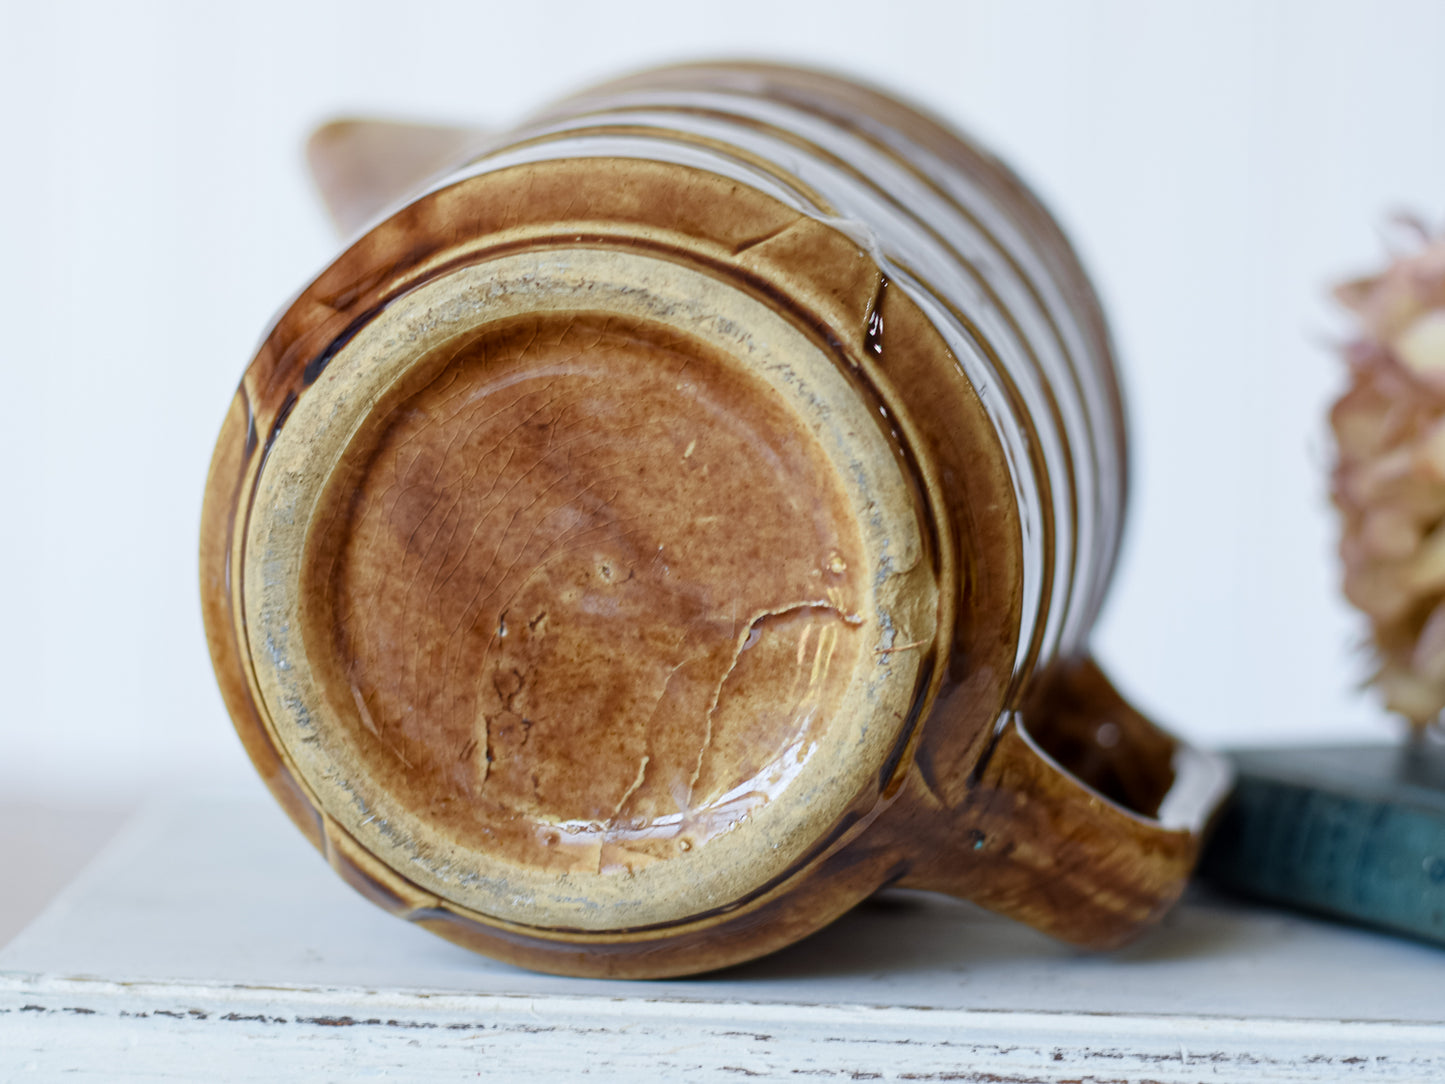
x,y
1389,477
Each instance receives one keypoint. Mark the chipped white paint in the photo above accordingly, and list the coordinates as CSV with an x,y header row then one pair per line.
x,y
209,942
96,1029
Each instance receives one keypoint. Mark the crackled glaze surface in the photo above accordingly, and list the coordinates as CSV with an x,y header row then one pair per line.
x,y
684,518
588,590
541,650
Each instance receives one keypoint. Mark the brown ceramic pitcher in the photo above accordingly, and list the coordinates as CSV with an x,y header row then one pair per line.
x,y
683,518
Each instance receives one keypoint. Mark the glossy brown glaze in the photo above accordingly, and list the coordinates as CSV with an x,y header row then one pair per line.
x,y
531,645
1079,852
615,568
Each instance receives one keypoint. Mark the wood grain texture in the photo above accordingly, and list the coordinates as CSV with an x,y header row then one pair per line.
x,y
92,1031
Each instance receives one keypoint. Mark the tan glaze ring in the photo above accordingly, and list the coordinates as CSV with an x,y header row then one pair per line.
x,y
620,559
590,584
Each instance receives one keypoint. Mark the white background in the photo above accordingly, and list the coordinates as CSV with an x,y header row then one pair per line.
x,y
1218,164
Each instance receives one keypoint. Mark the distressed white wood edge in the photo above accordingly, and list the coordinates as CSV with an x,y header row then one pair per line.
x,y
151,1031
210,942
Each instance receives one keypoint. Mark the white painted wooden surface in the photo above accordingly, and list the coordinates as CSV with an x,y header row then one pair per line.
x,y
210,941
45,846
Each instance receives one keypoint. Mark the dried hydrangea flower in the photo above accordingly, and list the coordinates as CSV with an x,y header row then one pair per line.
x,y
1389,477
